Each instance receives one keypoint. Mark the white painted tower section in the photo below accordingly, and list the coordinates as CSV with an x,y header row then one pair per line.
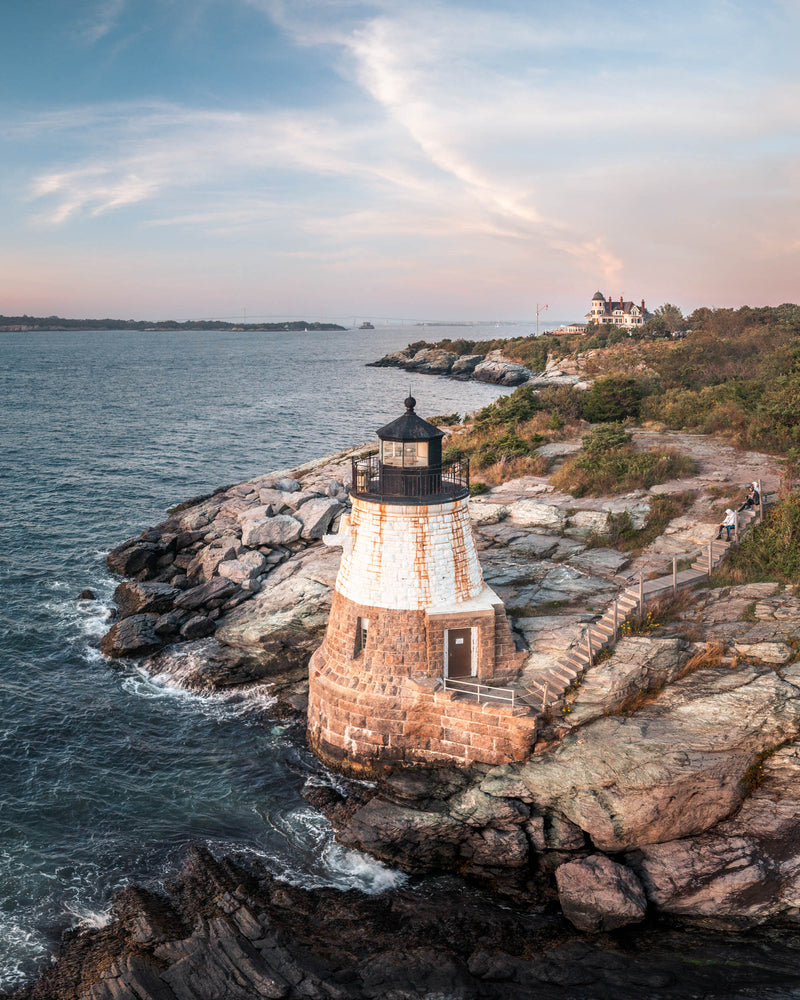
x,y
414,557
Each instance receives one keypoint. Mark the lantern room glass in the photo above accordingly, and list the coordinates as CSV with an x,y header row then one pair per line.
x,y
405,454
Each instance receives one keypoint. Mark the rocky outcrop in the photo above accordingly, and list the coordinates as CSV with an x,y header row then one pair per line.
x,y
597,894
491,367
215,554
226,929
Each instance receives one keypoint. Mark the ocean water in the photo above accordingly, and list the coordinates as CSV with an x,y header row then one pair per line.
x,y
105,774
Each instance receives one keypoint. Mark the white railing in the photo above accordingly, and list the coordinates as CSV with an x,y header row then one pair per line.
x,y
481,691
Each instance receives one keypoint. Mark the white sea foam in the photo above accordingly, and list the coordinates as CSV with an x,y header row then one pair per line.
x,y
90,918
19,948
333,865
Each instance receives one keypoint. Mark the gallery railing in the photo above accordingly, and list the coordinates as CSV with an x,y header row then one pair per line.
x,y
375,480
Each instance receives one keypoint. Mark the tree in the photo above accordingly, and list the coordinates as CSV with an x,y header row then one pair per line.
x,y
665,321
611,399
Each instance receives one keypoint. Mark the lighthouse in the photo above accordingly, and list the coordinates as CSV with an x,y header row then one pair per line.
x,y
410,613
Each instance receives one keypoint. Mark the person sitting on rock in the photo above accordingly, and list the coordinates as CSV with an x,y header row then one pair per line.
x,y
752,499
729,522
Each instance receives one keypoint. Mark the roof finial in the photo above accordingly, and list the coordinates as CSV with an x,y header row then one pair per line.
x,y
410,402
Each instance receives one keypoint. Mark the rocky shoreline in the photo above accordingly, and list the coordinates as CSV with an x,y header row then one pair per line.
x,y
666,788
492,367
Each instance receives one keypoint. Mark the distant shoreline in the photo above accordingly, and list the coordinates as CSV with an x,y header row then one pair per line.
x,y
38,324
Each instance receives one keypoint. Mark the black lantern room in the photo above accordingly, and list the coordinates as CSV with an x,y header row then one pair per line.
x,y
409,467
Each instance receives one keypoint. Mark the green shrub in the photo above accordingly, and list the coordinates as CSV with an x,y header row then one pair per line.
x,y
515,408
603,439
448,420
612,398
619,470
478,489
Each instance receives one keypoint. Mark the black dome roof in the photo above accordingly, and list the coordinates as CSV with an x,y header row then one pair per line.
x,y
409,427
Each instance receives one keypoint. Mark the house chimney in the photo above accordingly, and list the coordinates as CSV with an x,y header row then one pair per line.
x,y
643,309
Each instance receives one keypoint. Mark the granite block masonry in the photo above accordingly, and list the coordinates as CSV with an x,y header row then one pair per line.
x,y
410,608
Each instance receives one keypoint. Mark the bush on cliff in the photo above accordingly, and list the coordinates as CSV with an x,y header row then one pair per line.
x,y
609,463
612,398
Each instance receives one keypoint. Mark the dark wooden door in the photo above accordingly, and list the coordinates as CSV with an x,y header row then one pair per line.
x,y
459,652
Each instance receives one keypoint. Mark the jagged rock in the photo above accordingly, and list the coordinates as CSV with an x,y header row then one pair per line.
x,y
215,590
671,770
597,894
273,502
500,371
133,598
245,568
493,848
397,359
198,627
287,485
602,562
476,808
134,556
584,523
259,511
133,636
408,838
87,595
537,514
432,361
316,516
483,512
747,867
279,530
285,623
638,663
554,832
169,625
464,366
767,642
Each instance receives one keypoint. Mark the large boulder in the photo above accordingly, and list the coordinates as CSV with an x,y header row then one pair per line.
x,y
747,867
537,514
133,598
597,894
134,556
316,516
271,531
248,566
284,624
214,592
464,366
432,361
411,839
133,636
674,768
500,371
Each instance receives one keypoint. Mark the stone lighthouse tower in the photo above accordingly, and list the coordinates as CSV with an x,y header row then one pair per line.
x,y
410,610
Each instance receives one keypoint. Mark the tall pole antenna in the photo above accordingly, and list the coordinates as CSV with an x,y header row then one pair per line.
x,y
538,310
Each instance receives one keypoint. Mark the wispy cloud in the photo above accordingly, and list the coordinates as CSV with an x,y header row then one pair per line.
x,y
103,20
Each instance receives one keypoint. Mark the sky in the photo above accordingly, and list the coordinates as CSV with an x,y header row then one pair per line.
x,y
318,159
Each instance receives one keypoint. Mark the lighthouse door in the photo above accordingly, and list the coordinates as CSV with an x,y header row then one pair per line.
x,y
459,652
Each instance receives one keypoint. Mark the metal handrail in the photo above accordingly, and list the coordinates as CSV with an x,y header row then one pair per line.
x,y
473,687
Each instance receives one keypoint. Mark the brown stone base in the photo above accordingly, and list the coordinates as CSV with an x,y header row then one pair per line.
x,y
382,707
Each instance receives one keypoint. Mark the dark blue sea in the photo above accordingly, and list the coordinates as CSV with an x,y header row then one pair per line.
x,y
105,776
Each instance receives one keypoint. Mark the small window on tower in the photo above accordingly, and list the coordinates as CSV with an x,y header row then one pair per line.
x,y
362,627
